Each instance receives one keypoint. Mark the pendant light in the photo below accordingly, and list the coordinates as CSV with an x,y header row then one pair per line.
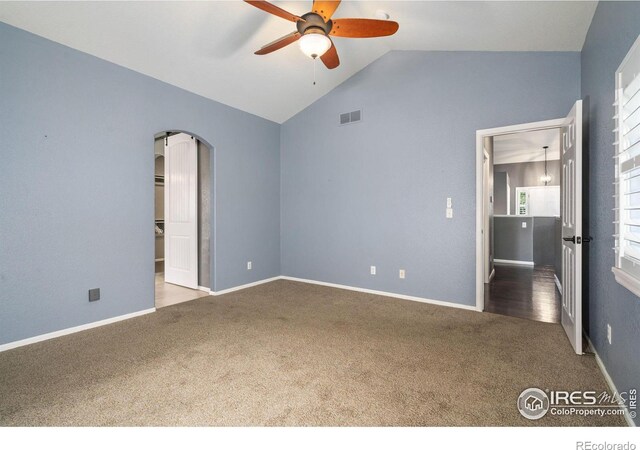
x,y
546,178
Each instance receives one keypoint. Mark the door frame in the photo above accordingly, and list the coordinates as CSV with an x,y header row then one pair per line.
x,y
486,217
480,136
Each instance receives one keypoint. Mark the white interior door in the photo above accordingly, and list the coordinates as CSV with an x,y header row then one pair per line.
x,y
571,214
181,211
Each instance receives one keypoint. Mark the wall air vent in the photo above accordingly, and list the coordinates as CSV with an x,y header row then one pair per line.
x,y
351,117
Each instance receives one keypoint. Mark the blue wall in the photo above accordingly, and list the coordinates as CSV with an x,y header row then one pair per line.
x,y
76,186
374,193
615,27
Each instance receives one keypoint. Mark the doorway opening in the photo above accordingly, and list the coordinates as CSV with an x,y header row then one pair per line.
x,y
522,179
530,204
182,208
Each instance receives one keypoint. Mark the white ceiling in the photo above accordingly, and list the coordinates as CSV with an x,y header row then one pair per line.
x,y
207,47
526,147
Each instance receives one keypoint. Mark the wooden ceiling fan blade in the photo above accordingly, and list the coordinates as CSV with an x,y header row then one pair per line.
x,y
330,57
279,43
363,28
273,9
325,8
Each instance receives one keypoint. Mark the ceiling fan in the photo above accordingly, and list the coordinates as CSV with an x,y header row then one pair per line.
x,y
315,27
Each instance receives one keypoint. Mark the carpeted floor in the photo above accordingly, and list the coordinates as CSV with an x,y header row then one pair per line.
x,y
288,353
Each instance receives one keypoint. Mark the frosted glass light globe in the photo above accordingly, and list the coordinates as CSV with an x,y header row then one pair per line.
x,y
314,44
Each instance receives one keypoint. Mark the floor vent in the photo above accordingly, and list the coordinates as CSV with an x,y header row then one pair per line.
x,y
351,117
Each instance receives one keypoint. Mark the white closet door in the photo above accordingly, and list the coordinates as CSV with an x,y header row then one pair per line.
x,y
181,211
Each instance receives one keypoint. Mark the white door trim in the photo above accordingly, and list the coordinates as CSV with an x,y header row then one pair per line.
x,y
480,135
486,219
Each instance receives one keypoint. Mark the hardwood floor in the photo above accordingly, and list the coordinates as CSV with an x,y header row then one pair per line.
x,y
526,292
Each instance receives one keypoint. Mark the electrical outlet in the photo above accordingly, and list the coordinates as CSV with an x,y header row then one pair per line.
x,y
524,224
609,333
249,265
449,213
94,294
401,274
373,270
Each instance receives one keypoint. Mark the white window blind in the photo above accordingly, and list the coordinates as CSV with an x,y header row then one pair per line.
x,y
627,170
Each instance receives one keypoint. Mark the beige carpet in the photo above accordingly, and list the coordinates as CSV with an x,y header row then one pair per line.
x,y
287,353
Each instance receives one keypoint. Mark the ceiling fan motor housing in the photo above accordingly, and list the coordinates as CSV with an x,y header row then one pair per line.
x,y
313,23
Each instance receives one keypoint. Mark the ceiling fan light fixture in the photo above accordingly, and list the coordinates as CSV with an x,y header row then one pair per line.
x,y
314,28
314,45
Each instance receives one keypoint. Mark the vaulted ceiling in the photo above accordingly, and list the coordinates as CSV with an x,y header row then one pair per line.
x,y
207,47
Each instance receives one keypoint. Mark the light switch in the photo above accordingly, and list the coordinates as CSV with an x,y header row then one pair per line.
x,y
449,213
448,202
524,224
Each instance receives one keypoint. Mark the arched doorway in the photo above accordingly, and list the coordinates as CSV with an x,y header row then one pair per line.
x,y
182,207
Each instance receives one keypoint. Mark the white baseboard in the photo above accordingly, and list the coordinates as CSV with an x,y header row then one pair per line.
x,y
513,262
55,334
204,289
244,286
44,337
383,293
609,381
558,284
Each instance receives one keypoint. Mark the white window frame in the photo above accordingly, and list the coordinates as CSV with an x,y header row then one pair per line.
x,y
626,157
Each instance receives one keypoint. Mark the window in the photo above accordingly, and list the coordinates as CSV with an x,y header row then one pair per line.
x,y
538,201
627,171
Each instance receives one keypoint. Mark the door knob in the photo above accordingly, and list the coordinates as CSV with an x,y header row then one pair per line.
x,y
570,239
